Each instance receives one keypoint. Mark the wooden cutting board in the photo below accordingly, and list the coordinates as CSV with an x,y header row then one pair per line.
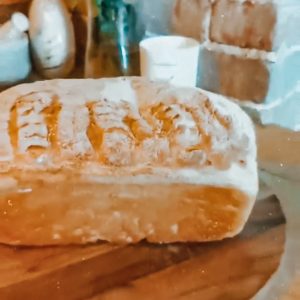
x,y
231,269
234,269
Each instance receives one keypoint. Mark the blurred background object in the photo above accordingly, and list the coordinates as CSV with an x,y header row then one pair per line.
x,y
84,16
190,18
8,7
249,52
14,28
107,34
155,16
114,50
52,38
173,59
15,64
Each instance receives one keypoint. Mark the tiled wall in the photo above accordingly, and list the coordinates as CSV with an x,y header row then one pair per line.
x,y
250,48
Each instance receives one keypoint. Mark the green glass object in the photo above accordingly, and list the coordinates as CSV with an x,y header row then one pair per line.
x,y
118,38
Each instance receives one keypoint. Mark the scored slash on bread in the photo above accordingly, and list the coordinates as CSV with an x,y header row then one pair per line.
x,y
122,160
97,127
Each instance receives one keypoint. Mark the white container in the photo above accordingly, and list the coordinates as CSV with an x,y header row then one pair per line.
x,y
52,38
172,59
15,62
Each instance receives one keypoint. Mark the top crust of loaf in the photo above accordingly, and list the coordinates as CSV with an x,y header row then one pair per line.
x,y
123,126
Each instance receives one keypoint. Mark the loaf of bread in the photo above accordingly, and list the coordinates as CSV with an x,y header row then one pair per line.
x,y
122,160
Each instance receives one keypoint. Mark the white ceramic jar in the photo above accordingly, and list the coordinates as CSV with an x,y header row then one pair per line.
x,y
170,58
14,60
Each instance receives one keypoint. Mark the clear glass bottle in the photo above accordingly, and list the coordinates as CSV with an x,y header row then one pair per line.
x,y
116,38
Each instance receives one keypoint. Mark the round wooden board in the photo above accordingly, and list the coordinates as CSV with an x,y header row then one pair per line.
x,y
261,264
231,269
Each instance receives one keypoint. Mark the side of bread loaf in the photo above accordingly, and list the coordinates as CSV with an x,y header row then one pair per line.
x,y
122,160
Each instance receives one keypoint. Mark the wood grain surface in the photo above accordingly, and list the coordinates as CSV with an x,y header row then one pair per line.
x,y
279,156
231,269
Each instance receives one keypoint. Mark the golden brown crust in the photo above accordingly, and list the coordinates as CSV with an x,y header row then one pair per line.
x,y
184,125
122,160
